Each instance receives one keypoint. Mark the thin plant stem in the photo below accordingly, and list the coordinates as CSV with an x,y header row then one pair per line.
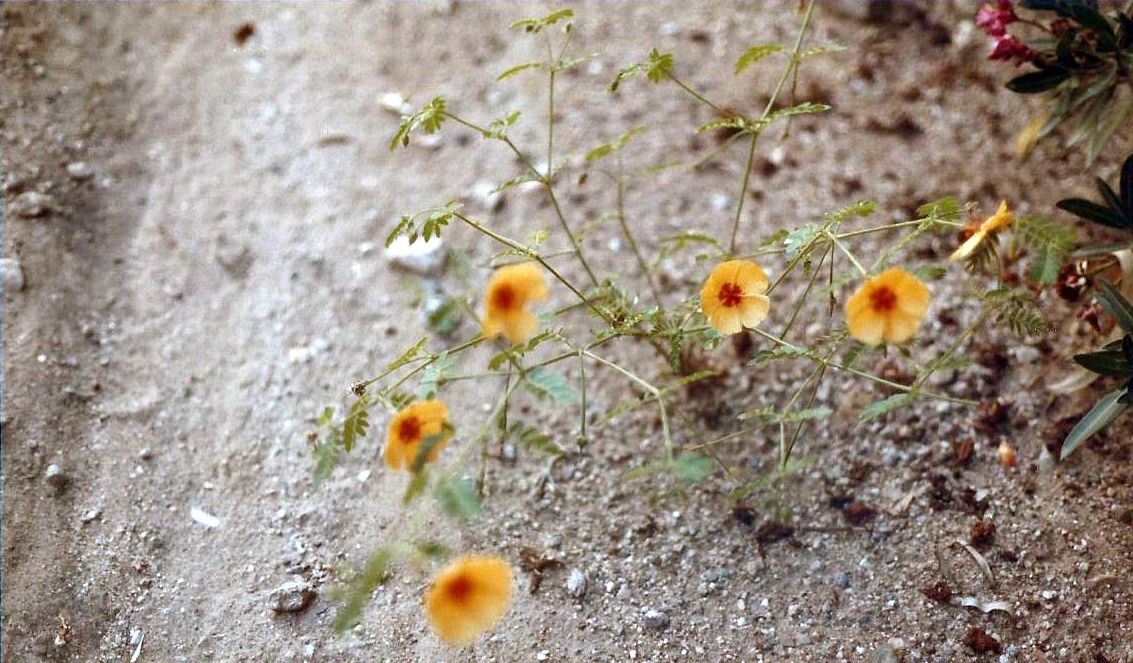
x,y
792,65
653,391
843,249
698,96
621,188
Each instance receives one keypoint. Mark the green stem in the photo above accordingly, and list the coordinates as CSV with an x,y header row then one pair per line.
x,y
654,391
699,97
743,193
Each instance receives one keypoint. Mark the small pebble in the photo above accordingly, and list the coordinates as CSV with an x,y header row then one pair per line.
x,y
56,477
655,619
80,170
11,274
91,514
485,195
721,202
31,204
842,579
422,257
146,453
293,596
576,583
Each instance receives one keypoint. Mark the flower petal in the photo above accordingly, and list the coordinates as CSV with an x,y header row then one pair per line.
x,y
754,309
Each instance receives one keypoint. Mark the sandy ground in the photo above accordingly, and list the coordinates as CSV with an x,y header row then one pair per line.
x,y
205,281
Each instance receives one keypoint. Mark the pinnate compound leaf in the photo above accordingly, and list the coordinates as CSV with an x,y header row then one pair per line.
x,y
429,118
884,406
547,383
755,54
375,573
458,498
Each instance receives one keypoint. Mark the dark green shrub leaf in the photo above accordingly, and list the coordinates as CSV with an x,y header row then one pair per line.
x,y
1038,81
1101,415
1091,211
1116,305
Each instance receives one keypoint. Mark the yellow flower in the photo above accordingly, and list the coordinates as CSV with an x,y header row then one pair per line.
x,y
734,296
1002,218
505,303
468,596
889,307
410,427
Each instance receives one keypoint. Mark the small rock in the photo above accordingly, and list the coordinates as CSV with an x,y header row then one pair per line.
x,y
394,102
31,204
146,453
292,596
655,619
55,477
670,29
422,257
1025,354
842,579
91,514
576,583
721,201
80,170
431,141
485,195
11,274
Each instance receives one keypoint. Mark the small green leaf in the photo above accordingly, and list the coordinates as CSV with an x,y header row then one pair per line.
x,y
799,238
755,54
407,356
943,209
884,406
428,445
692,467
428,118
356,421
534,440
547,383
1116,305
417,485
523,66
860,208
1051,244
375,573
1101,415
614,145
1038,81
457,495
534,25
808,414
434,376
655,69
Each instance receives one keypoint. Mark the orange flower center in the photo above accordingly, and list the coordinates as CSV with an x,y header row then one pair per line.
x,y
409,430
731,294
504,298
459,588
883,299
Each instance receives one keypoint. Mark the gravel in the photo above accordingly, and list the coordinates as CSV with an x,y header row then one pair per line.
x,y
655,619
56,477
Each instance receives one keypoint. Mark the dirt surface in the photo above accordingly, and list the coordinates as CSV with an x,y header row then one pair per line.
x,y
203,278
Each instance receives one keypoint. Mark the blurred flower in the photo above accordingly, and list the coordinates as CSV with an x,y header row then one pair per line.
x,y
734,296
994,20
1002,217
1029,135
1007,47
888,307
505,303
409,429
468,596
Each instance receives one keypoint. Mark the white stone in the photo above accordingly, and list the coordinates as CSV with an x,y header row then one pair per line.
x,y
422,257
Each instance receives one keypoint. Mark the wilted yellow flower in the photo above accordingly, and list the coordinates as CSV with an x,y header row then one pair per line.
x,y
1002,217
734,296
505,303
1029,135
468,596
889,307
410,427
